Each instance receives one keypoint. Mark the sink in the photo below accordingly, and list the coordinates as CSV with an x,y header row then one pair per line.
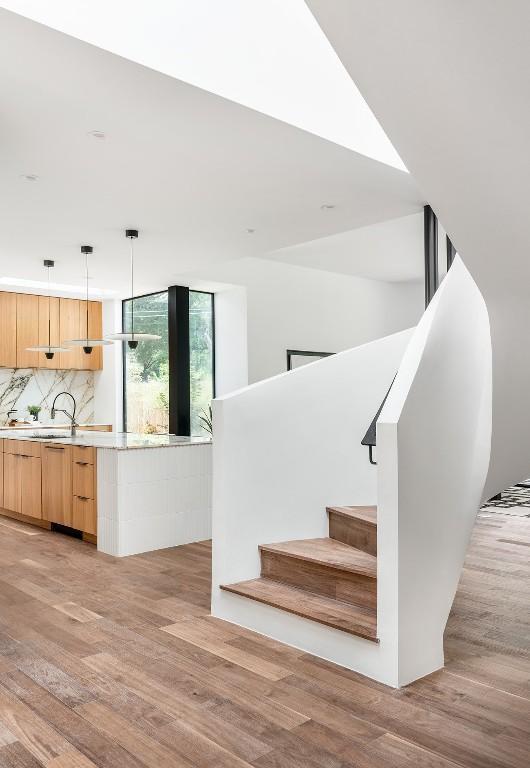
x,y
40,436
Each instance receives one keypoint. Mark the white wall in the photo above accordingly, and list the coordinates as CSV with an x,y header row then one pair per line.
x,y
108,387
231,354
291,307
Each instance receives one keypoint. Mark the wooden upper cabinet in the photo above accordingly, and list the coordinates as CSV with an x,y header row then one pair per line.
x,y
8,330
93,361
69,315
27,330
49,321
24,322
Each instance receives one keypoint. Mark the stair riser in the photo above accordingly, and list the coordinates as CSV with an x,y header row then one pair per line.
x,y
356,533
353,588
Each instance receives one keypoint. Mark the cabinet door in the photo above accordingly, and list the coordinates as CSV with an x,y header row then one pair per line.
x,y
69,329
12,481
95,329
49,331
84,515
8,326
27,330
57,484
30,486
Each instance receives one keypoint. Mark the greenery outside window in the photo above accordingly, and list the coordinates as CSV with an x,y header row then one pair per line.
x,y
147,370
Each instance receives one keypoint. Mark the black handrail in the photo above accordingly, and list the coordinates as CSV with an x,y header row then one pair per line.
x,y
370,438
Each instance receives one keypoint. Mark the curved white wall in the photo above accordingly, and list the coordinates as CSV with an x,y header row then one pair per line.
x,y
433,442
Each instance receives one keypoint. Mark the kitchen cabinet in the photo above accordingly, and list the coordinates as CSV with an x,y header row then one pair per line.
x,y
57,484
1,473
22,479
84,515
27,334
11,481
91,311
52,482
70,329
8,324
28,320
49,329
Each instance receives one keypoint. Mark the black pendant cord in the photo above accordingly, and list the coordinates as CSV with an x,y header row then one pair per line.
x,y
49,315
86,275
132,289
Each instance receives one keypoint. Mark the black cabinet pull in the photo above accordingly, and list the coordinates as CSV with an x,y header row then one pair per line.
x,y
54,447
83,498
82,464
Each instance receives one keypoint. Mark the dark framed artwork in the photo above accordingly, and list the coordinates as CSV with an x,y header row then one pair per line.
x,y
298,357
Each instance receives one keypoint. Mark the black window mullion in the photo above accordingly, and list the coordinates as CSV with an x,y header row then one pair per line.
x,y
179,360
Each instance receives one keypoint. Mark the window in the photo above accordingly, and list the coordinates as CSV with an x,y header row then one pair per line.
x,y
152,371
146,368
201,358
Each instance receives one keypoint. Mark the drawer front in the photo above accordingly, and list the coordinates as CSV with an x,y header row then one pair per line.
x,y
84,480
22,447
84,515
84,453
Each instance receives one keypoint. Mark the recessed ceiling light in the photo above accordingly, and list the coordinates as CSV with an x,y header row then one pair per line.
x,y
29,176
327,207
250,231
97,134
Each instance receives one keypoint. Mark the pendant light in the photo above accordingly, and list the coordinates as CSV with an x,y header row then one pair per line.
x,y
48,349
87,343
133,337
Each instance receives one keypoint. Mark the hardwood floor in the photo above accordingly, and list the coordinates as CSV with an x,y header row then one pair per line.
x,y
117,663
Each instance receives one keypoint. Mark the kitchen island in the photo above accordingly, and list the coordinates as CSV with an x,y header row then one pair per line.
x,y
131,493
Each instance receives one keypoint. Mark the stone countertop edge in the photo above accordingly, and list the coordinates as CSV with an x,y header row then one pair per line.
x,y
120,441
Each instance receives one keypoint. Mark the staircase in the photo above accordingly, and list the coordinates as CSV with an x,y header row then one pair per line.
x,y
332,581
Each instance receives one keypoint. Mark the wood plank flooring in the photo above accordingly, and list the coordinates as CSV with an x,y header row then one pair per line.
x,y
116,663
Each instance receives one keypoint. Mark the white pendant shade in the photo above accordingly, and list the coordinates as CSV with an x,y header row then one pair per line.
x,y
87,342
46,348
132,337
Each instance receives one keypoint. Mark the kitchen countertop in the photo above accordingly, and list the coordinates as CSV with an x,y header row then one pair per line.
x,y
50,427
117,440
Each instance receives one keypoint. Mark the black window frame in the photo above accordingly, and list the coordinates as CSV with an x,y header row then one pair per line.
x,y
178,356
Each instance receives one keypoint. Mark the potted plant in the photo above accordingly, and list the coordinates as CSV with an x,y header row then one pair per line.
x,y
207,421
34,411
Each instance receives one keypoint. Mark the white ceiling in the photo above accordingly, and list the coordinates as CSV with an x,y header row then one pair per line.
x,y
191,170
269,55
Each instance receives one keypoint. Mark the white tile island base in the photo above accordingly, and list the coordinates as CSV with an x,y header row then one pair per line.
x,y
153,498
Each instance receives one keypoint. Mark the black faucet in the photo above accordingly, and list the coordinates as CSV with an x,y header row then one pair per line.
x,y
71,416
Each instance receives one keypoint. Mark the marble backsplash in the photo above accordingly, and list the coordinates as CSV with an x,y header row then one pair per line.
x,y
21,387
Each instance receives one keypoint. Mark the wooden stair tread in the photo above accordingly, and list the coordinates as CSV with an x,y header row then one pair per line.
x,y
328,552
366,514
353,619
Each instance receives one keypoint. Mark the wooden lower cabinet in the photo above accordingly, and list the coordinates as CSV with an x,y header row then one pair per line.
x,y
57,484
85,515
11,481
30,486
22,484
51,482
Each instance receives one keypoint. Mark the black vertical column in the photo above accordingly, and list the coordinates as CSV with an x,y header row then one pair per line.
x,y
179,359
430,241
451,251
